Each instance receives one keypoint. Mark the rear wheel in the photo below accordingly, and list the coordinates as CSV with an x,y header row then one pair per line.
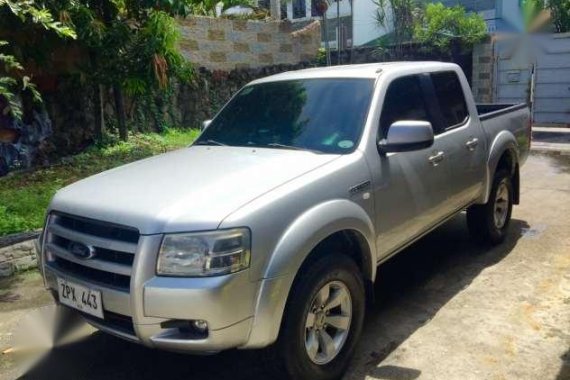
x,y
322,322
488,223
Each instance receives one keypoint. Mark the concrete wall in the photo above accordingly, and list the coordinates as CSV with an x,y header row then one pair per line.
x,y
224,44
483,69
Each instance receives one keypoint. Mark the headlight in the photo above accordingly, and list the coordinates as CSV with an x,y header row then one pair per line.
x,y
204,253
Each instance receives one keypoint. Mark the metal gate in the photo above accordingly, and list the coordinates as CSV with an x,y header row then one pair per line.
x,y
537,69
552,82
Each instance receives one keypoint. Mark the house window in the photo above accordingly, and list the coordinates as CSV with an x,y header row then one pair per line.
x,y
299,9
314,12
332,25
283,6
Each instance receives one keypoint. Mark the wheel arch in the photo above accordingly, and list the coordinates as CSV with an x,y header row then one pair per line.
x,y
336,223
503,155
336,220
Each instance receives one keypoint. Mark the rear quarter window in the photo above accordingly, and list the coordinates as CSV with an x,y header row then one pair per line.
x,y
451,98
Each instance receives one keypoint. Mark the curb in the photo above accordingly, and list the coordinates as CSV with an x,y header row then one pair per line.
x,y
16,238
17,253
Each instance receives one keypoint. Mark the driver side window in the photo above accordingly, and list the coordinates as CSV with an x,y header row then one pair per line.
x,y
404,101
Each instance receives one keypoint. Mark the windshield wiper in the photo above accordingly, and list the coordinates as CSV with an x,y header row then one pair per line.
x,y
284,146
210,142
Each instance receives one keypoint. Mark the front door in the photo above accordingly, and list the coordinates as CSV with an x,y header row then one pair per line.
x,y
410,188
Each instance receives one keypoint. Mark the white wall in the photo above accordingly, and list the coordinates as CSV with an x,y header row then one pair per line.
x,y
366,27
344,8
512,13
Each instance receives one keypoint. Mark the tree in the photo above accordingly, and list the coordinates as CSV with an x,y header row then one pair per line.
x,y
400,15
131,47
13,78
441,25
560,10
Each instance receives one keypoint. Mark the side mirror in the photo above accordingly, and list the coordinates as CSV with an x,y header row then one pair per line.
x,y
406,136
205,124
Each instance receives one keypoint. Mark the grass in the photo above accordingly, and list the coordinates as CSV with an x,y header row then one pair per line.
x,y
24,196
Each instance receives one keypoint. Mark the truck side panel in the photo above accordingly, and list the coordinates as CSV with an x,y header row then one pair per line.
x,y
507,132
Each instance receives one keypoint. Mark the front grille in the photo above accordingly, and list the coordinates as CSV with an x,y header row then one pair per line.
x,y
93,275
96,228
100,253
111,250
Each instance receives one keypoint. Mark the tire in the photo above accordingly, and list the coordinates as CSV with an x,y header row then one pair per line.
x,y
488,223
289,357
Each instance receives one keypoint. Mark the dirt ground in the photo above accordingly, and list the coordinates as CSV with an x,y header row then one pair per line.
x,y
446,308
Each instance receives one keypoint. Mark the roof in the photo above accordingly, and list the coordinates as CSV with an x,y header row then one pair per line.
x,y
368,70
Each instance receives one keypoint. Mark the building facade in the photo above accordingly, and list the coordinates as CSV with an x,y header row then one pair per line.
x,y
501,16
356,25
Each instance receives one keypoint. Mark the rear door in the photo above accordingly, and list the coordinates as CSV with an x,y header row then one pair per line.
x,y
463,139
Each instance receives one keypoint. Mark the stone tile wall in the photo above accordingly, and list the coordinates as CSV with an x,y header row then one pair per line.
x,y
16,257
483,69
224,44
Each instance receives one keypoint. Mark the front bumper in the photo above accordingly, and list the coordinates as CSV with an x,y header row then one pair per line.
x,y
226,303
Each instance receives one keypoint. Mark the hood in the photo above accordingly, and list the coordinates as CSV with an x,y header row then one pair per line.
x,y
191,189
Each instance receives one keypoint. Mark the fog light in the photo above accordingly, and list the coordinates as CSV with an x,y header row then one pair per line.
x,y
200,324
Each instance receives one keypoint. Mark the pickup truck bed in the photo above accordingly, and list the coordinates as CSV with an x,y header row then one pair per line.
x,y
498,118
490,110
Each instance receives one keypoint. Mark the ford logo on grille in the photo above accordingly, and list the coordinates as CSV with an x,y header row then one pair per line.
x,y
81,250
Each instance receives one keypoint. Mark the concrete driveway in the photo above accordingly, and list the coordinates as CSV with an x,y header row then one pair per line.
x,y
446,308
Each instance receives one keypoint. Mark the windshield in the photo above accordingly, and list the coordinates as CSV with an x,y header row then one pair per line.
x,y
323,115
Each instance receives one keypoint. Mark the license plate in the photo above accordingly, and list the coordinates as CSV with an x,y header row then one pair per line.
x,y
79,297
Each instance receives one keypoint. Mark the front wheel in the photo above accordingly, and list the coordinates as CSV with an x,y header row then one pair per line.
x,y
488,223
322,322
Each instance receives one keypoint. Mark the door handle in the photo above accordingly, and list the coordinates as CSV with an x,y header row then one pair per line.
x,y
472,144
436,158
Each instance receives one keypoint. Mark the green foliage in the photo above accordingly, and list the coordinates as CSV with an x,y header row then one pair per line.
x,y
153,57
133,46
32,11
12,80
531,9
321,57
208,7
401,14
440,25
560,11
24,197
13,223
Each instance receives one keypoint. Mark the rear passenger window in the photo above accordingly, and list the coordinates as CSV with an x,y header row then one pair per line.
x,y
404,101
451,98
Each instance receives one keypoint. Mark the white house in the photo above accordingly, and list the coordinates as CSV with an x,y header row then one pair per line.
x,y
355,29
362,27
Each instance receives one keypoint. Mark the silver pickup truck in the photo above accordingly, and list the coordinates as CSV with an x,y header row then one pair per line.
x,y
267,231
